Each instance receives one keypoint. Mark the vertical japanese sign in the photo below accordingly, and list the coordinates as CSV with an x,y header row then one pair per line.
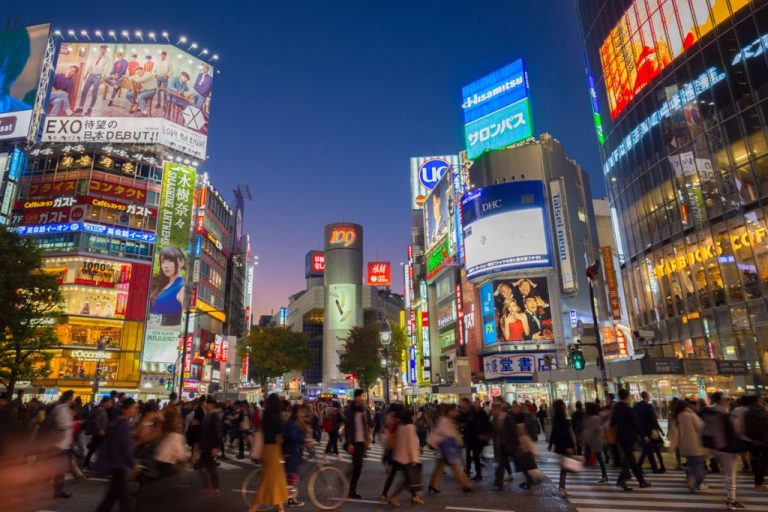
x,y
610,280
167,299
460,314
488,314
426,350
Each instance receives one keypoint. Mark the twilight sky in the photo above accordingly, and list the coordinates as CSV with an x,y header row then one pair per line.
x,y
320,103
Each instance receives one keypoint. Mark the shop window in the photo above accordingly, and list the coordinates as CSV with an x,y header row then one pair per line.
x,y
728,268
757,313
89,335
739,317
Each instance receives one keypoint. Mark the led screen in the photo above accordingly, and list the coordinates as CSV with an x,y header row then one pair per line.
x,y
649,36
437,213
426,171
130,93
521,310
22,51
505,228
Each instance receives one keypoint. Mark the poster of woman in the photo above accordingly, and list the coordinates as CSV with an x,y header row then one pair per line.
x,y
167,298
522,310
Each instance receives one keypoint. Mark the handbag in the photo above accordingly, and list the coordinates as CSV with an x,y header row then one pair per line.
x,y
655,435
257,445
524,461
611,435
413,476
571,464
450,451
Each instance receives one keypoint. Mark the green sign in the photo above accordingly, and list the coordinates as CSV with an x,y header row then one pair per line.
x,y
438,258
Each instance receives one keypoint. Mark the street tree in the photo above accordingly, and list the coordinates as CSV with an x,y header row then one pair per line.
x,y
29,303
362,355
272,352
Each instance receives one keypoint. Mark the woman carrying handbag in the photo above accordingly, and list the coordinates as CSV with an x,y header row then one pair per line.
x,y
561,439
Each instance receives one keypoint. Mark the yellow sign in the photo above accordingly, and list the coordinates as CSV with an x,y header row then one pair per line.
x,y
665,267
90,355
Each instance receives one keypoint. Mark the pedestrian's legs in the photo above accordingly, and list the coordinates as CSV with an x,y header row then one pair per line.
x,y
61,462
758,454
93,446
648,452
241,447
468,458
657,452
357,466
437,474
678,458
728,461
477,449
563,474
601,461
501,464
117,492
460,476
696,471
393,467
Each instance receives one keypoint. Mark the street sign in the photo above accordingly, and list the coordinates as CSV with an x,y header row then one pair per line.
x,y
171,368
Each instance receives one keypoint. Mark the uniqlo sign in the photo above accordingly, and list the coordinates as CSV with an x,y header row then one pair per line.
x,y
379,273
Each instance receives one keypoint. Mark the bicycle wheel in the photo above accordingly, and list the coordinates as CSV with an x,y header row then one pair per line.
x,y
249,487
328,487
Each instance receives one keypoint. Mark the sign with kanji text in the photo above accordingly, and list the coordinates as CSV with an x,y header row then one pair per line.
x,y
379,273
106,188
514,365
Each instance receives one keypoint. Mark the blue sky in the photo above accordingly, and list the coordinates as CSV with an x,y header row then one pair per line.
x,y
320,103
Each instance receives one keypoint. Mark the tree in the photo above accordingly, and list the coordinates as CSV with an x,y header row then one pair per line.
x,y
361,356
398,350
273,351
29,300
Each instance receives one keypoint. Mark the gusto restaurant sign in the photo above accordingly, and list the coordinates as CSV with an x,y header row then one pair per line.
x,y
666,266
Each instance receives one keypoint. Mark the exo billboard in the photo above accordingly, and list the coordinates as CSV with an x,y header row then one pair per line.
x,y
505,228
22,52
496,110
647,38
426,171
167,299
130,93
379,273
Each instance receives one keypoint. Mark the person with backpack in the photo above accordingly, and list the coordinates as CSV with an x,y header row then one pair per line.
x,y
96,427
756,428
718,434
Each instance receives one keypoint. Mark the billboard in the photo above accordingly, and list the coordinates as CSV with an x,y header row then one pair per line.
x,y
314,265
22,52
487,306
169,272
521,310
426,171
379,273
437,213
496,110
648,38
514,366
505,228
562,236
132,93
342,309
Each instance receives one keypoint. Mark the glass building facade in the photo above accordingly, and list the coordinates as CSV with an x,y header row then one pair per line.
x,y
680,90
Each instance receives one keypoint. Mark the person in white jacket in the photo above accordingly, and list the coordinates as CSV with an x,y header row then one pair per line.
x,y
406,458
685,433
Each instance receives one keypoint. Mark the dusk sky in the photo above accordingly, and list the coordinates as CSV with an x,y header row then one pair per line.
x,y
319,104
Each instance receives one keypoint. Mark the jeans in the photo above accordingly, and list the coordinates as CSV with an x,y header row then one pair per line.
x,y
628,463
357,466
651,451
115,84
199,101
473,451
117,492
162,87
333,442
696,470
600,460
437,474
92,84
93,447
728,461
59,102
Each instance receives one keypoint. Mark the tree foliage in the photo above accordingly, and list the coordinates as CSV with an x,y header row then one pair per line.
x,y
29,301
273,351
361,356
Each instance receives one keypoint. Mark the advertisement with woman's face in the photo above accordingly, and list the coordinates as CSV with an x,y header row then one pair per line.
x,y
437,213
167,298
522,310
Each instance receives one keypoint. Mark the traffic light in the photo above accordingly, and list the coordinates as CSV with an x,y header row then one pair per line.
x,y
577,358
169,386
208,354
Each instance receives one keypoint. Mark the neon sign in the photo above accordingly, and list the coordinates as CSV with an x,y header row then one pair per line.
x,y
343,236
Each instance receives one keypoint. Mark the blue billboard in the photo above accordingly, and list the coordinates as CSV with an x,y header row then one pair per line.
x,y
489,314
496,110
505,228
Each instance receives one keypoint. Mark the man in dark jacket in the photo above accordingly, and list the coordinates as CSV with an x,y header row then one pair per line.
x,y
210,441
116,458
357,428
648,421
756,429
577,420
97,428
624,420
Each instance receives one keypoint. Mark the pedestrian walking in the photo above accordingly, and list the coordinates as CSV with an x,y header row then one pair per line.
x,y
406,460
501,449
423,425
577,419
592,438
59,426
446,439
357,428
332,421
389,439
210,442
96,427
294,437
650,428
756,429
685,433
561,439
624,420
541,415
273,488
115,458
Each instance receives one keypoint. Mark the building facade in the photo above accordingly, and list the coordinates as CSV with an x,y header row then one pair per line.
x,y
682,87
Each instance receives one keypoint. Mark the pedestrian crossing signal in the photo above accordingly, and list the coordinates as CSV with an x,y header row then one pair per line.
x,y
577,359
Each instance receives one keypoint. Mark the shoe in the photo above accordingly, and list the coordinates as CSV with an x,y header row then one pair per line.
x,y
477,478
510,478
434,490
110,104
624,486
645,485
762,488
416,500
88,112
563,492
394,501
63,494
735,505
354,496
703,487
294,503
383,499
603,480
467,490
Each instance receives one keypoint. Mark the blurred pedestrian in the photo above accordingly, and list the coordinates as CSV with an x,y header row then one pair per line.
x,y
210,441
273,489
685,433
115,457
628,431
357,429
561,439
592,438
446,439
406,460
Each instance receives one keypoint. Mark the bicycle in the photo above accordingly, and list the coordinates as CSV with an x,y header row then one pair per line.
x,y
327,486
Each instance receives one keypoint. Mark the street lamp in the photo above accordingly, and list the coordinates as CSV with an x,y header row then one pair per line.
x,y
226,380
385,335
593,272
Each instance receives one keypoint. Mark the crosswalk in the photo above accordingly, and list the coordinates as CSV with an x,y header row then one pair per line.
x,y
668,493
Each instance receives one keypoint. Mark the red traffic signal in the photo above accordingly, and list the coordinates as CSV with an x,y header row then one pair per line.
x,y
208,354
351,376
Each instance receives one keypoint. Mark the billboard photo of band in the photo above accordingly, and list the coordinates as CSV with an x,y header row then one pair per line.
x,y
522,311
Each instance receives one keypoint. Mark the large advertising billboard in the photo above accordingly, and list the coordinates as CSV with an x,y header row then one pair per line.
x,y
314,264
496,110
426,171
342,310
167,299
132,93
22,52
648,38
505,228
437,213
521,310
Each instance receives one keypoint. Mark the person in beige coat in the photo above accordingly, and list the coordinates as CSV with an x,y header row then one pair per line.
x,y
406,458
685,433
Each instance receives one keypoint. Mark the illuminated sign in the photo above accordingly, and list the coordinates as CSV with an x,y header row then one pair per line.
x,y
752,50
52,188
412,365
431,171
426,171
314,265
557,195
496,110
610,280
598,121
647,39
128,234
344,236
90,355
687,93
379,273
666,267
426,352
437,259
488,314
117,190
504,366
505,228
460,313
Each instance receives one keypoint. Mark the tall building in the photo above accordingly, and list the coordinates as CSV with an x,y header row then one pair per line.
x,y
679,103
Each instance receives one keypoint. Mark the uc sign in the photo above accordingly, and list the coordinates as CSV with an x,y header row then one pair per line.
x,y
431,171
345,236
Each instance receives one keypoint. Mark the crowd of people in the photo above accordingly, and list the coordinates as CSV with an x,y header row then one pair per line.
x,y
143,446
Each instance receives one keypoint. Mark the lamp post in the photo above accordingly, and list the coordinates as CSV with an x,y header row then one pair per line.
x,y
385,335
592,274
226,380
